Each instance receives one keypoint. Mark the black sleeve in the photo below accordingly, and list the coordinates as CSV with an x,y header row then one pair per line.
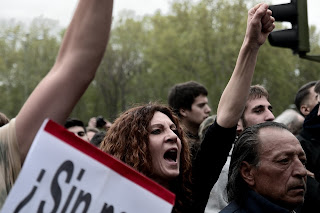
x,y
209,162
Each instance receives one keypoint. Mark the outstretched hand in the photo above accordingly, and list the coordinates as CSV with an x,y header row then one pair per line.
x,y
259,25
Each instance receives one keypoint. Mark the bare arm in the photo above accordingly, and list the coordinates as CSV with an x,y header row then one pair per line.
x,y
233,99
213,154
80,54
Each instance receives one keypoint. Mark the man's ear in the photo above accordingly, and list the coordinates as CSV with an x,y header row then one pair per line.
x,y
183,112
305,109
240,126
247,173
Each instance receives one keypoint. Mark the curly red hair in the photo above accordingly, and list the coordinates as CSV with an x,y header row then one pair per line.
x,y
128,139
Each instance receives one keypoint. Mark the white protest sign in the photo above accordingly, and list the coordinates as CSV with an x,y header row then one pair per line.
x,y
63,173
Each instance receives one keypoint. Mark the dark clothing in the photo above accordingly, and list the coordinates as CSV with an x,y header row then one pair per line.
x,y
209,162
194,144
312,197
309,138
255,203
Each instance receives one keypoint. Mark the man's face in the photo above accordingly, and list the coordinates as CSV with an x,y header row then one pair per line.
x,y
200,110
78,131
281,174
257,111
310,102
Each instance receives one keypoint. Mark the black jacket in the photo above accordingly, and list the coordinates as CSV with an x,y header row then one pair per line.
x,y
209,162
255,203
309,138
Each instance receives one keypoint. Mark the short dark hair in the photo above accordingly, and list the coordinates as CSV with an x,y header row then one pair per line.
x,y
302,94
245,149
98,138
317,87
182,95
257,91
71,122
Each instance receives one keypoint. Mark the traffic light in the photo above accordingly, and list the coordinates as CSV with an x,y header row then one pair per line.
x,y
296,38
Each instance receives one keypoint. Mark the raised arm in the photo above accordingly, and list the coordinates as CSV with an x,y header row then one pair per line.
x,y
219,138
79,56
232,102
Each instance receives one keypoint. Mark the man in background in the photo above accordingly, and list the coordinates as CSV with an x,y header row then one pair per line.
x,y
307,102
77,127
190,103
257,110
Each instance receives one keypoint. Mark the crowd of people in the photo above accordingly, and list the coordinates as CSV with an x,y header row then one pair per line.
x,y
242,159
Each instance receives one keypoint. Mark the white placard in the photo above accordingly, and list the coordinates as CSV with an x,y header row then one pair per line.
x,y
63,173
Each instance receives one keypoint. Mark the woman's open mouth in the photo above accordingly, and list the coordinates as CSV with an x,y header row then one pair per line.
x,y
171,155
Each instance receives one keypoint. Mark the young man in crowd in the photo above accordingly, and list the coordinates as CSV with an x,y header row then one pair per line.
x,y
306,98
219,137
190,103
257,110
77,127
307,101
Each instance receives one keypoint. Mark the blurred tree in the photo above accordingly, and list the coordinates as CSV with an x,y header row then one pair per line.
x,y
117,80
27,54
196,42
146,56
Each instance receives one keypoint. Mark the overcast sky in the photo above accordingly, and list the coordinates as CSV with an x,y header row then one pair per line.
x,y
62,10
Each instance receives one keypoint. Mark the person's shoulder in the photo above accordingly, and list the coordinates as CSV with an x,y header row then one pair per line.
x,y
215,127
8,136
8,128
232,207
304,137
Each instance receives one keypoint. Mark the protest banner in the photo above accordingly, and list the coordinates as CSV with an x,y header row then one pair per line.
x,y
63,173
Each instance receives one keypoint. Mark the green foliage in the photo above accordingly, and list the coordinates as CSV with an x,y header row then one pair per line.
x,y
26,56
147,55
